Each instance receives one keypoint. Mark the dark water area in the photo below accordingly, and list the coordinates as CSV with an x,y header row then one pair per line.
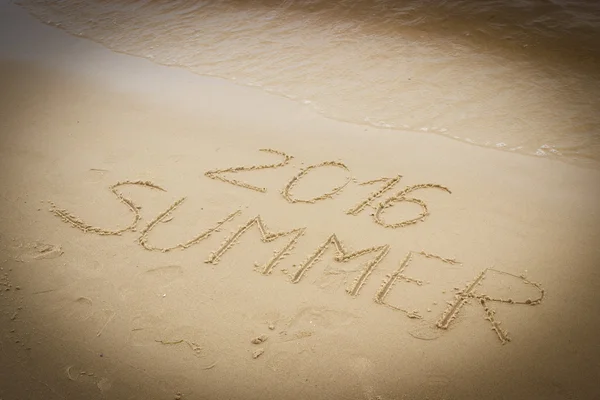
x,y
520,76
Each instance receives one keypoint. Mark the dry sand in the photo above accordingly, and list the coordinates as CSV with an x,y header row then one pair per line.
x,y
150,250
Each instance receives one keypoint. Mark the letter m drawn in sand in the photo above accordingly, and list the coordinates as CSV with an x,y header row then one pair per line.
x,y
342,255
266,236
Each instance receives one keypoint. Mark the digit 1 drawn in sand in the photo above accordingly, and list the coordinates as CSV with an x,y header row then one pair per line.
x,y
266,236
217,173
286,192
392,278
85,227
162,217
342,255
462,297
400,197
389,184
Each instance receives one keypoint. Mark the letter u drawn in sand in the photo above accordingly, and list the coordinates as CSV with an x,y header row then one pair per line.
x,y
162,217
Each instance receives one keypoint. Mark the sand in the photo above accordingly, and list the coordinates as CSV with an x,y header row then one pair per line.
x,y
170,236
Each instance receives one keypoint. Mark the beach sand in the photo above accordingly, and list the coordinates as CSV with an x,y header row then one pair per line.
x,y
482,285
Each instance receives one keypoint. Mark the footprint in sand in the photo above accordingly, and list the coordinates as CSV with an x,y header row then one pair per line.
x,y
96,174
145,330
79,374
90,302
153,282
437,380
309,321
39,251
192,343
424,330
284,362
363,370
82,309
79,309
320,318
188,342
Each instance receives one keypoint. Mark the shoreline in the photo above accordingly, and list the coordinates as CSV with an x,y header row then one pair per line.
x,y
105,315
99,52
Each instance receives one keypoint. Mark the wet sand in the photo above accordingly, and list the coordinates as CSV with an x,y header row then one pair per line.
x,y
150,249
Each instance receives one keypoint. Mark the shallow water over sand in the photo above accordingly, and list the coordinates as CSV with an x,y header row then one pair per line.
x,y
519,75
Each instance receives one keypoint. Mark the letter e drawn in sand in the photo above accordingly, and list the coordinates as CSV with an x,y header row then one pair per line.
x,y
85,227
162,217
389,184
397,275
343,255
286,192
401,197
470,292
218,173
266,236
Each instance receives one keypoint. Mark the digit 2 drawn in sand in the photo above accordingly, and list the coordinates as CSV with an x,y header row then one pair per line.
x,y
85,227
218,173
342,255
286,192
266,236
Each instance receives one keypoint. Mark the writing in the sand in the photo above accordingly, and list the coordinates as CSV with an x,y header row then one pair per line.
x,y
471,291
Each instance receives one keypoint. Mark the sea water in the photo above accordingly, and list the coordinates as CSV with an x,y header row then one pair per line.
x,y
517,75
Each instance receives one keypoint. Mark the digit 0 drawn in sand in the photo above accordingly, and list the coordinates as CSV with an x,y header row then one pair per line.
x,y
266,236
389,184
286,192
85,227
163,217
397,275
463,296
217,173
401,197
342,255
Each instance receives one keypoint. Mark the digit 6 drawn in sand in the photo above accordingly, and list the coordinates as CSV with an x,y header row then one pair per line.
x,y
294,181
85,227
401,197
216,173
